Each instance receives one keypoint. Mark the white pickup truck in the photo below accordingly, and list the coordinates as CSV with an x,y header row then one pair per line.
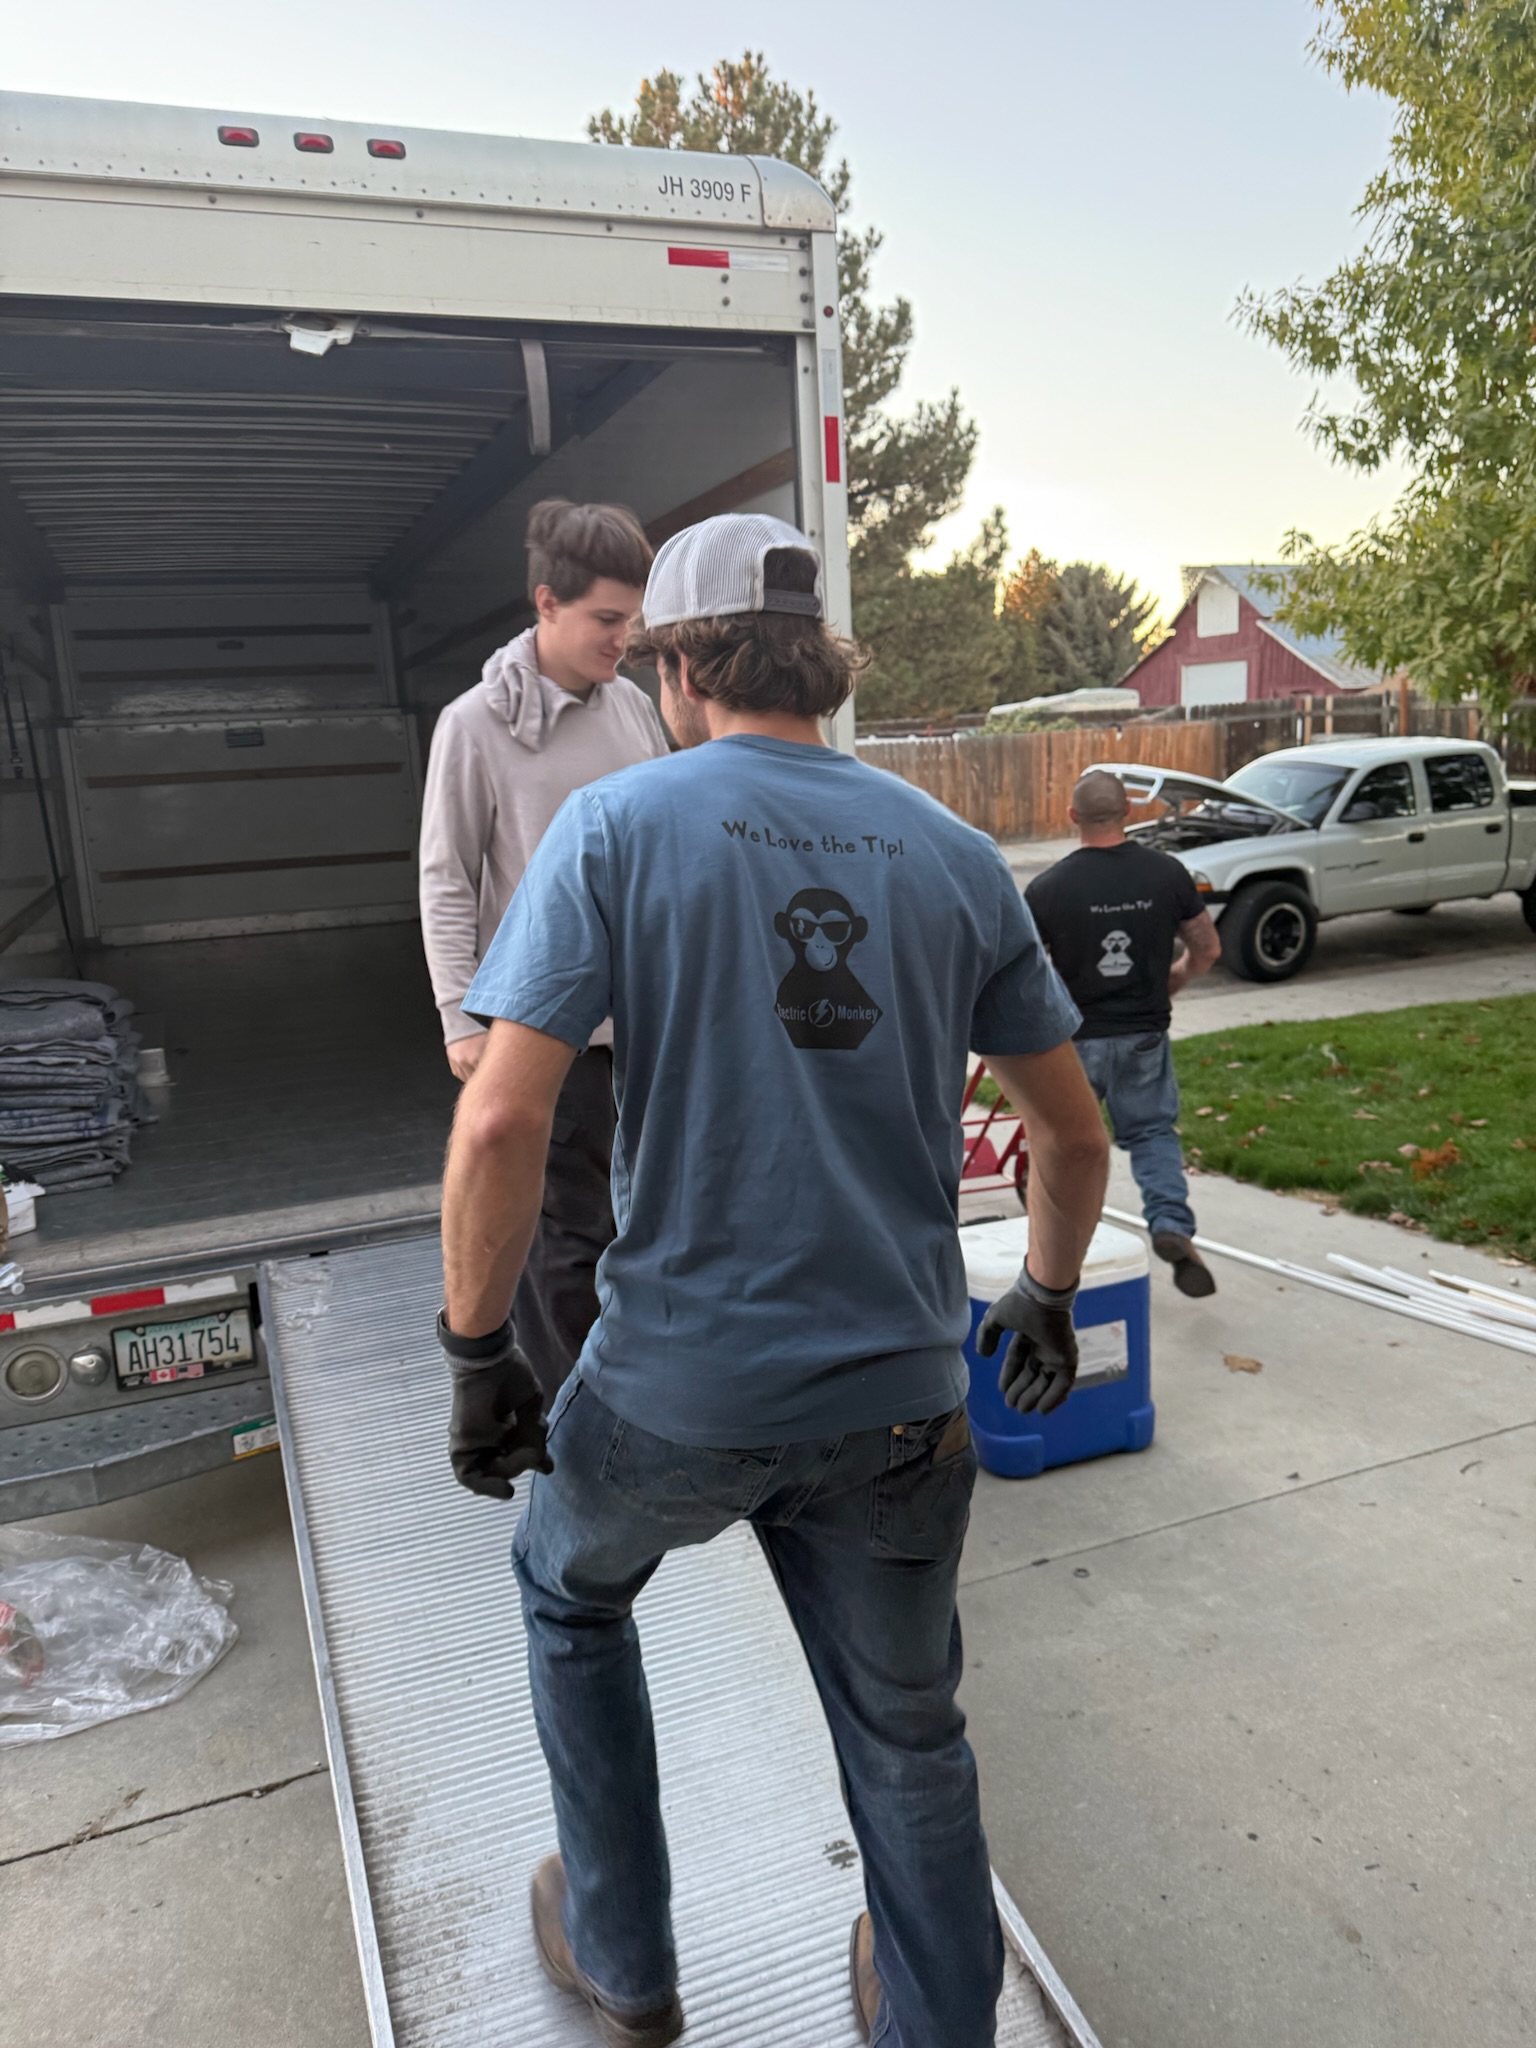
x,y
1337,827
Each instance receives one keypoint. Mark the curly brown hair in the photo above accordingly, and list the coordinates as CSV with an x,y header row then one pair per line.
x,y
760,661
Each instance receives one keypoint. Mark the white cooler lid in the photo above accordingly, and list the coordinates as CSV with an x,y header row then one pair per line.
x,y
994,1253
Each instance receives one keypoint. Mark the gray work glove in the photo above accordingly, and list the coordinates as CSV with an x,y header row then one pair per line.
x,y
497,1427
1040,1363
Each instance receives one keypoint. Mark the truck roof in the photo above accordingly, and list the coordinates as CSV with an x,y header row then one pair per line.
x,y
1365,752
234,149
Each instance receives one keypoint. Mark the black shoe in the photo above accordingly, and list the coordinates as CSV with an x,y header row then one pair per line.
x,y
645,2030
1191,1275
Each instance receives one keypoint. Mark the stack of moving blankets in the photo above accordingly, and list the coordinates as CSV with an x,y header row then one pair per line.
x,y
69,1091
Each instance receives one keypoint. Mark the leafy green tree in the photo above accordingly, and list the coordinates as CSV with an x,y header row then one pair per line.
x,y
904,473
1023,599
1434,323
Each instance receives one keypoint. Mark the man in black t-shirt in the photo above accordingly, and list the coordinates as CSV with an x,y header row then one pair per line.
x,y
1112,914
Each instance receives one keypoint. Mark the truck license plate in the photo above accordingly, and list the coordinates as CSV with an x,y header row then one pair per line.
x,y
155,1354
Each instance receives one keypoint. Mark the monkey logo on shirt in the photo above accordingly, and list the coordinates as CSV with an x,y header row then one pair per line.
x,y
1116,958
821,1003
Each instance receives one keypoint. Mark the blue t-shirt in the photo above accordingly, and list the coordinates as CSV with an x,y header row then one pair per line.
x,y
796,951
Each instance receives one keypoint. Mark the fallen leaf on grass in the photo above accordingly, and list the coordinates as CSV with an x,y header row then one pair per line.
x,y
1234,1362
1234,1063
1479,1123
1436,1158
1407,1151
1207,1111
1366,1116
1377,1166
1422,1092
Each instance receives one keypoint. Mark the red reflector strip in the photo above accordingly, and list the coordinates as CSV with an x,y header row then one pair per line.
x,y
239,138
317,145
380,146
114,1304
700,259
831,427
7,1323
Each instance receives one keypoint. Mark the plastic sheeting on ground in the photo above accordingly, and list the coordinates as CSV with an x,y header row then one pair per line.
x,y
90,1631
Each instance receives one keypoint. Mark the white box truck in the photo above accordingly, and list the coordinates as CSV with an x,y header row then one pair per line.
x,y
275,398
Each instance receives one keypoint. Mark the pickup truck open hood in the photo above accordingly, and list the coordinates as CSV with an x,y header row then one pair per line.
x,y
1172,786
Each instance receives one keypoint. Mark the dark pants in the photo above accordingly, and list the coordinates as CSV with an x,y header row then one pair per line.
x,y
556,1301
863,1534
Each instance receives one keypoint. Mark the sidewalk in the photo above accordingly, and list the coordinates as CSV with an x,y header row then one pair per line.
x,y
1255,1709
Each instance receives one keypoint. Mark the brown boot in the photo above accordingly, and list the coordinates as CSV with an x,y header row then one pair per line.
x,y
1191,1275
645,2030
867,1989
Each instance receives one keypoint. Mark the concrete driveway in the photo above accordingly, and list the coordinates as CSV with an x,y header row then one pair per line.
x,y
1256,1713
1256,1709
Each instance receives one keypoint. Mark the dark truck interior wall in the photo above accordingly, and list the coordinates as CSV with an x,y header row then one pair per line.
x,y
33,811
247,580
708,432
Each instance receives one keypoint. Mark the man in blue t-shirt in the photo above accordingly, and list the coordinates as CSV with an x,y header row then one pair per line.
x,y
797,952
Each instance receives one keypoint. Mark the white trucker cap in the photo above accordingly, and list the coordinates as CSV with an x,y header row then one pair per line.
x,y
715,569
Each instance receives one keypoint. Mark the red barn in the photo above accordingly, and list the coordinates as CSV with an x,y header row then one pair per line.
x,y
1226,647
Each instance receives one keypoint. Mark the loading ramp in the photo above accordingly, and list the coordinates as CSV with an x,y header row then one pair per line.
x,y
441,1790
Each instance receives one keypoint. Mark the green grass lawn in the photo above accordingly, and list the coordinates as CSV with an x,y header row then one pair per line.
x,y
1425,1116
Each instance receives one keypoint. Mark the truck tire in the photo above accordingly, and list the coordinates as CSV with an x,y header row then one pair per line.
x,y
1269,931
1528,905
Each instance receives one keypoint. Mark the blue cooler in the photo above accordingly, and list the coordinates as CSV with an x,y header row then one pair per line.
x,y
1110,1408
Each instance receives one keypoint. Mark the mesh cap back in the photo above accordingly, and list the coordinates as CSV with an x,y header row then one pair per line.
x,y
716,569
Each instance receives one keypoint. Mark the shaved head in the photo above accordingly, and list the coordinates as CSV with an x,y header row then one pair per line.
x,y
1099,798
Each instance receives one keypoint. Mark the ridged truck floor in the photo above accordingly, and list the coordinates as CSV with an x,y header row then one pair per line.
x,y
442,1795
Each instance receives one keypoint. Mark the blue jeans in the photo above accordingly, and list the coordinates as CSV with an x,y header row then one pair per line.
x,y
1133,1077
863,1534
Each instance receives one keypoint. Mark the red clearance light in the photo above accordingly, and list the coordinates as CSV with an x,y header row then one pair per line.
x,y
378,147
239,138
317,145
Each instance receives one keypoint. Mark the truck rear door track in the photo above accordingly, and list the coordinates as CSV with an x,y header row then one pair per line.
x,y
441,1790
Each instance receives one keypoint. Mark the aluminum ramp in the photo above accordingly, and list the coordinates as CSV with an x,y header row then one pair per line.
x,y
440,1785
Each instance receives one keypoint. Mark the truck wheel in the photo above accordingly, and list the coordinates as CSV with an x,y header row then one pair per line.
x,y
1269,932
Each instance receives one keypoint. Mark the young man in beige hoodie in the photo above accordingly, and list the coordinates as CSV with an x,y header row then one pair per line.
x,y
549,714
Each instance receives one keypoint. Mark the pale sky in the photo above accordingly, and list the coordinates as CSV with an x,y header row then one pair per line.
x,y
1072,197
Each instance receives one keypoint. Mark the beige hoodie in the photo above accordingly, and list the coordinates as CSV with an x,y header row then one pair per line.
x,y
504,757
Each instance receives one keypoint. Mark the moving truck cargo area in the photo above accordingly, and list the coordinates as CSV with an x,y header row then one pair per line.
x,y
271,422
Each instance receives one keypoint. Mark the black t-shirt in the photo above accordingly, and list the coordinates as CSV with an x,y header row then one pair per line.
x,y
1109,914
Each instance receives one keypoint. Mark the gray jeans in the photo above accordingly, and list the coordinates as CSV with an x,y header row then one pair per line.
x,y
556,1301
1133,1078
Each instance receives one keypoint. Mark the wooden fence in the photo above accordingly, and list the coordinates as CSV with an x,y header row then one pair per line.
x,y
1016,785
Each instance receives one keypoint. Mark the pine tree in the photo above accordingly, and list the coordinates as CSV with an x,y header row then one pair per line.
x,y
1092,629
904,473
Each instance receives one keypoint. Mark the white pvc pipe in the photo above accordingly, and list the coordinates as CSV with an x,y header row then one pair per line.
x,y
1465,1302
1460,1323
1482,1287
